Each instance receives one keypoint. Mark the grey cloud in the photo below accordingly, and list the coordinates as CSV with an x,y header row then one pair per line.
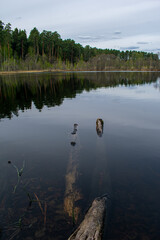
x,y
117,32
116,38
133,48
154,50
86,37
143,42
98,38
129,48
135,21
18,18
90,38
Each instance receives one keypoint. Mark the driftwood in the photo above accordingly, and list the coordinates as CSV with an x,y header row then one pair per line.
x,y
91,227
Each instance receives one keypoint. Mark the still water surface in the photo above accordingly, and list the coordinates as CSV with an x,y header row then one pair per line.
x,y
49,177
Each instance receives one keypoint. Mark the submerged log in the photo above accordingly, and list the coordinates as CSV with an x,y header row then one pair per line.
x,y
72,192
92,225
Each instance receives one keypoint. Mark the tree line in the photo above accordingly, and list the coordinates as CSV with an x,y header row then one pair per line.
x,y
47,50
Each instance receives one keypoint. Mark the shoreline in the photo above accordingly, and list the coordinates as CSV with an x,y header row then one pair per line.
x,y
63,71
28,71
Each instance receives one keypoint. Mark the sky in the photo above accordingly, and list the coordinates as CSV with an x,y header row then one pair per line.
x,y
114,24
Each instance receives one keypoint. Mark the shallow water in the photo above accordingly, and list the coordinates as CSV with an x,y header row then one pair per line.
x,y
49,177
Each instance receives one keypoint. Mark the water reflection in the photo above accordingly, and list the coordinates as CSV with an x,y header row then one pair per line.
x,y
120,159
157,84
19,92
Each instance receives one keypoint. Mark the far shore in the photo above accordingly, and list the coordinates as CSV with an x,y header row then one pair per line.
x,y
59,70
29,71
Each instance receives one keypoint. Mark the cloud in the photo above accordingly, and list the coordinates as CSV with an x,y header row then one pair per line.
x,y
116,38
128,42
129,48
87,37
123,23
143,42
117,32
18,18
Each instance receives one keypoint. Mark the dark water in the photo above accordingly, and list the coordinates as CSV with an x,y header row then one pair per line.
x,y
49,177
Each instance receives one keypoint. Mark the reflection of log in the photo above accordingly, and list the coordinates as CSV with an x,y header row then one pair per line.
x,y
91,227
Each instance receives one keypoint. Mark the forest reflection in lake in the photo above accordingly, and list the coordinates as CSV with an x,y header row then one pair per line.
x,y
51,169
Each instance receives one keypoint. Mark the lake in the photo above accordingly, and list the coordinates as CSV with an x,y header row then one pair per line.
x,y
49,176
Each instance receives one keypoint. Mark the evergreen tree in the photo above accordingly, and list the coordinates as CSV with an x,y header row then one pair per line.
x,y
47,49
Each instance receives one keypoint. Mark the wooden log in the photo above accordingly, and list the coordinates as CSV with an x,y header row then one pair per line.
x,y
92,225
72,192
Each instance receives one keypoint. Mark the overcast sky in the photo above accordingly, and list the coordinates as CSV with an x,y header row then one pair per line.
x,y
117,24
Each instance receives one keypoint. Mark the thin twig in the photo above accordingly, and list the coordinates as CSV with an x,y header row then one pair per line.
x,y
39,203
44,211
14,234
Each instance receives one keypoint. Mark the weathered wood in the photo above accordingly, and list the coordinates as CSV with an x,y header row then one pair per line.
x,y
91,227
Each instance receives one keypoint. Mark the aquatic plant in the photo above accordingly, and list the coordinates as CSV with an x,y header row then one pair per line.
x,y
17,226
19,174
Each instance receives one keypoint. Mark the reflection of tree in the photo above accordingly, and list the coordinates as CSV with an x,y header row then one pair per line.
x,y
157,84
17,92
72,193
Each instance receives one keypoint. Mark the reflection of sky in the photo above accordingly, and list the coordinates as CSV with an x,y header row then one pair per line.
x,y
128,152
137,107
147,92
134,106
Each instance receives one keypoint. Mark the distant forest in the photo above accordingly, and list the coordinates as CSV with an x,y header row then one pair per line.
x,y
47,50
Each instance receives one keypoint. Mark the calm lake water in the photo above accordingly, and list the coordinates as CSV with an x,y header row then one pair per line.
x,y
49,177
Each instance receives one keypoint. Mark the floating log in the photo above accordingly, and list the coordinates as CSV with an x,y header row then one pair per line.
x,y
92,225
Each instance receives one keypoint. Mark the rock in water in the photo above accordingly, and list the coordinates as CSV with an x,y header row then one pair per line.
x,y
91,227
